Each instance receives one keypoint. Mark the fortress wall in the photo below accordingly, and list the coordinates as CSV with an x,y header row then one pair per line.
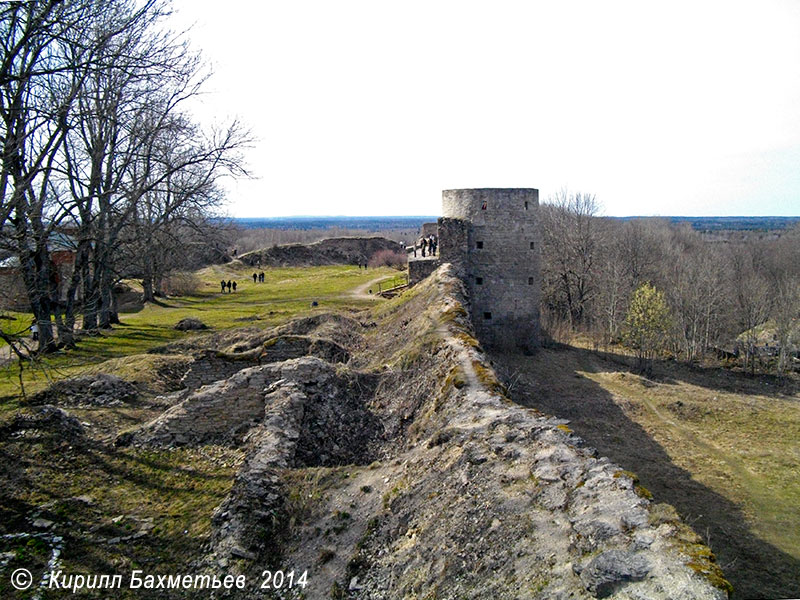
x,y
501,260
453,234
429,229
420,269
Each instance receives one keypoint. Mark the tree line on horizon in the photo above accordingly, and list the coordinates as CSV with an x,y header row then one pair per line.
x,y
665,289
100,151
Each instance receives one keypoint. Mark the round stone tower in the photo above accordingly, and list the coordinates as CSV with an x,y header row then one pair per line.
x,y
491,235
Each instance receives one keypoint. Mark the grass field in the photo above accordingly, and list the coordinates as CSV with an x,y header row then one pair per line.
x,y
285,293
722,447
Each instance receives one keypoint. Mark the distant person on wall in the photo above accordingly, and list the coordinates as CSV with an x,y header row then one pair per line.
x,y
229,286
255,277
222,283
35,331
424,246
234,286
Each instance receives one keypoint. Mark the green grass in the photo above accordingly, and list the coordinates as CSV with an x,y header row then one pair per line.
x,y
14,324
286,292
748,444
168,495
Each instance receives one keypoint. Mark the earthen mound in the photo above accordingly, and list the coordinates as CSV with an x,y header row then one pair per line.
x,y
43,420
332,251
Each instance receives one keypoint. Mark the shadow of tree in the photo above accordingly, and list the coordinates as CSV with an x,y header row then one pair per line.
x,y
715,378
551,383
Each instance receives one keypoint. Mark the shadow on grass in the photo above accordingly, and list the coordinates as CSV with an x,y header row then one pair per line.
x,y
51,470
714,378
756,568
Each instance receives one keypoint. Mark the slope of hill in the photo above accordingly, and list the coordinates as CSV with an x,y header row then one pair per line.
x,y
343,250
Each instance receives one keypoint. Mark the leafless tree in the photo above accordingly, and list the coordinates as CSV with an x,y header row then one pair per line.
x,y
571,241
93,138
752,297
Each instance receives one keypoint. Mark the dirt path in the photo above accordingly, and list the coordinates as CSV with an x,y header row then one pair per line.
x,y
362,291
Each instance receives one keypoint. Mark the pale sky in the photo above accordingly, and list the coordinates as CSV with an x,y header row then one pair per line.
x,y
373,107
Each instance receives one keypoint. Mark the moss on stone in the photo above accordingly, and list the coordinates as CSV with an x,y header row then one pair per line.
x,y
487,377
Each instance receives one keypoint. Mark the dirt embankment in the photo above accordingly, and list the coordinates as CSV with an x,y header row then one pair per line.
x,y
332,251
408,473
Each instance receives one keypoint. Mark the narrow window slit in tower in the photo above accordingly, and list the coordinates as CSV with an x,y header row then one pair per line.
x,y
531,245
479,281
487,316
526,205
483,206
530,280
479,245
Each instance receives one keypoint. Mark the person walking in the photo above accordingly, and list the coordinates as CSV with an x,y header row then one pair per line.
x,y
229,286
234,286
35,330
255,277
222,283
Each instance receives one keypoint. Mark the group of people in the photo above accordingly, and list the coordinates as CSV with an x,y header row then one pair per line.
x,y
231,285
428,245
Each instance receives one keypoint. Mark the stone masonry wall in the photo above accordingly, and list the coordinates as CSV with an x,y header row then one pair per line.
x,y
429,229
209,367
453,240
419,269
502,269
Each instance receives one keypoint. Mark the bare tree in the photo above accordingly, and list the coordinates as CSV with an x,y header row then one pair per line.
x,y
571,240
751,292
46,58
90,96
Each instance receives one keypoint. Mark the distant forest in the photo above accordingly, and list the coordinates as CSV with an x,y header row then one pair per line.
x,y
361,223
704,224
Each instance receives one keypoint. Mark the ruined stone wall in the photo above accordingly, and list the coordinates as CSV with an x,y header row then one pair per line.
x,y
501,266
428,229
209,367
419,269
453,243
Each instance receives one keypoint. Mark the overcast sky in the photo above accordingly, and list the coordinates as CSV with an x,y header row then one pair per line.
x,y
373,107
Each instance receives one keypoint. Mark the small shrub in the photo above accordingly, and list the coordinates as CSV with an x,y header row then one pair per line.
x,y
388,258
182,284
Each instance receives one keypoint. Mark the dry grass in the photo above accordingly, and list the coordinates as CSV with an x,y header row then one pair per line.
x,y
721,446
